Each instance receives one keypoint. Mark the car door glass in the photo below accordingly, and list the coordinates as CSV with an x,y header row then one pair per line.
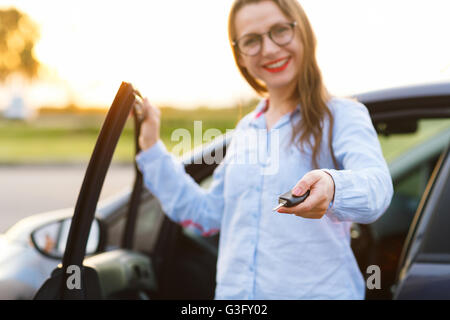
x,y
409,189
411,172
148,224
395,145
116,229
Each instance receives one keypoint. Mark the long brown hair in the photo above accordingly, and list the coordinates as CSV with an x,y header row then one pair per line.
x,y
312,93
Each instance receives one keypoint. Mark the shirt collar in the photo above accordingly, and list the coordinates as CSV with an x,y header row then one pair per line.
x,y
259,121
261,108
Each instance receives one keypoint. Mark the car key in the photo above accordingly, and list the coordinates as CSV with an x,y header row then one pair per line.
x,y
289,200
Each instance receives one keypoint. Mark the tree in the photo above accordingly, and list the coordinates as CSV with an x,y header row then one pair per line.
x,y
18,36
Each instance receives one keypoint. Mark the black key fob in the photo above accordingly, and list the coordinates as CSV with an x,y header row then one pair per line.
x,y
289,200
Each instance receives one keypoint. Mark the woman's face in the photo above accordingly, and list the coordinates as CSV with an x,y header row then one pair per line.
x,y
277,66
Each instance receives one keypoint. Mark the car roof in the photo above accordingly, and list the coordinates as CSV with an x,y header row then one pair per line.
x,y
429,90
408,102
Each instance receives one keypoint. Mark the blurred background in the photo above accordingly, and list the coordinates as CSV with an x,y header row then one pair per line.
x,y
61,63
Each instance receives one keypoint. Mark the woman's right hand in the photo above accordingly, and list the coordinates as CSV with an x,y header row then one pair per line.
x,y
150,126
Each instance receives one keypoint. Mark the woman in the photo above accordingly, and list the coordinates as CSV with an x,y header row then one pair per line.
x,y
298,138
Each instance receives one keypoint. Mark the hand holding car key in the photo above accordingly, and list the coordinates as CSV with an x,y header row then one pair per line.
x,y
289,200
311,197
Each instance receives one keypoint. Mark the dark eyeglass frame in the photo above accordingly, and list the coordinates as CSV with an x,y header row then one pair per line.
x,y
261,35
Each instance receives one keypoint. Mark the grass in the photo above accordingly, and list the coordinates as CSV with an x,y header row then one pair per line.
x,y
70,138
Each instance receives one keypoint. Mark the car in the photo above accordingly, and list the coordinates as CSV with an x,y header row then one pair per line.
x,y
126,247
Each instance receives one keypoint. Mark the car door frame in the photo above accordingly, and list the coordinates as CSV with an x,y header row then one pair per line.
x,y
421,274
126,100
398,110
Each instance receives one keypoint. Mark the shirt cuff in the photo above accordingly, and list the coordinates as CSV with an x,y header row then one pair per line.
x,y
331,212
334,195
154,152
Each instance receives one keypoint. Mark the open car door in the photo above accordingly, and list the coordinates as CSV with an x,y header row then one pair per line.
x,y
425,269
108,273
413,123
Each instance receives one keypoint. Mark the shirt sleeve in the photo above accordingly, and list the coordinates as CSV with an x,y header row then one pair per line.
x,y
363,188
181,198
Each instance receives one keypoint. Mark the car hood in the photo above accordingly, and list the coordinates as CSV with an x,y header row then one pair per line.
x,y
22,270
9,249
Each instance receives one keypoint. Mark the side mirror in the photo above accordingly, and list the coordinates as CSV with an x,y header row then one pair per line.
x,y
51,239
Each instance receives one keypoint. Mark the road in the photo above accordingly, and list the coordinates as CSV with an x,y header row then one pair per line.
x,y
27,190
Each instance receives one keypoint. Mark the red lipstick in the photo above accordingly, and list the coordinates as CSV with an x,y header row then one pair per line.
x,y
279,69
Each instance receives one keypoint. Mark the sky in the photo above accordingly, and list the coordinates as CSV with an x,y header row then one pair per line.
x,y
176,52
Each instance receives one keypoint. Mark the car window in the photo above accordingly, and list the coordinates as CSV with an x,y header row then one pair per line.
x,y
412,160
115,230
408,191
395,145
148,224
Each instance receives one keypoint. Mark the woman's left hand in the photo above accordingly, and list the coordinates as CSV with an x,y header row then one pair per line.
x,y
321,186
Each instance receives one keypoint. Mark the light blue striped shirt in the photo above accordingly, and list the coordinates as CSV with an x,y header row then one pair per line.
x,y
269,255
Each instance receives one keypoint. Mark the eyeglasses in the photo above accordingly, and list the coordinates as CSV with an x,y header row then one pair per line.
x,y
251,44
